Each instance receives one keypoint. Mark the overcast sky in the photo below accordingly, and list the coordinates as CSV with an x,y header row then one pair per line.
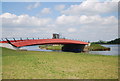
x,y
86,20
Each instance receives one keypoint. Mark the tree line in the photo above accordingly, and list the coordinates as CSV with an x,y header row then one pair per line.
x,y
115,41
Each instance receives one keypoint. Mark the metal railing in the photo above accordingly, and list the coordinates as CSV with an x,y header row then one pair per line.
x,y
37,38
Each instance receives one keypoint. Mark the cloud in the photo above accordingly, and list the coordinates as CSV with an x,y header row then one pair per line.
x,y
63,19
85,20
88,27
27,32
11,20
115,0
32,6
59,7
26,26
85,27
91,8
71,30
7,15
46,11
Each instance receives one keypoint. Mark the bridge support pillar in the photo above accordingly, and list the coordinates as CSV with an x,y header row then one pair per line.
x,y
73,47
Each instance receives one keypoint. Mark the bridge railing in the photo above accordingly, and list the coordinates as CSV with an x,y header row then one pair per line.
x,y
32,38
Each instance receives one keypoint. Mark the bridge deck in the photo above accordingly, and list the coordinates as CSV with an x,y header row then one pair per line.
x,y
21,43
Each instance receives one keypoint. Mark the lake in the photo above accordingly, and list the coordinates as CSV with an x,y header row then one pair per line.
x,y
34,48
113,49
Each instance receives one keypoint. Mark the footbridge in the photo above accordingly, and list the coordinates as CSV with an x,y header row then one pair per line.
x,y
68,45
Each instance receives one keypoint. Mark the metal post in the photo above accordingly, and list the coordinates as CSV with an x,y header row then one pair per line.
x,y
27,38
11,43
8,41
14,40
20,38
2,39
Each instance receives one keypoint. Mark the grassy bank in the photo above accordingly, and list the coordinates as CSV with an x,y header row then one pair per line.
x,y
57,65
50,47
98,47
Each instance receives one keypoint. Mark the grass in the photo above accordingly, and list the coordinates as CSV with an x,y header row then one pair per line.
x,y
95,47
57,65
0,64
50,47
55,47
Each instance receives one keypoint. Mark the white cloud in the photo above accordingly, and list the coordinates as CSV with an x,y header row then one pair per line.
x,y
63,19
83,27
115,0
26,26
46,11
71,29
59,7
30,7
7,15
27,32
11,20
91,8
85,20
88,27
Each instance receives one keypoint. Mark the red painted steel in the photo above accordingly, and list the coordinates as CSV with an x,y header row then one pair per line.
x,y
21,43
10,41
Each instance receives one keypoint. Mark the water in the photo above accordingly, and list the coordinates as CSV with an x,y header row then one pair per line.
x,y
114,50
34,48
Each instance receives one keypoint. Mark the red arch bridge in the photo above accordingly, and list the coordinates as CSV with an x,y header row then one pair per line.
x,y
68,45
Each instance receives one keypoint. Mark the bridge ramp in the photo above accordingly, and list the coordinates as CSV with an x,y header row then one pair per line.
x,y
6,45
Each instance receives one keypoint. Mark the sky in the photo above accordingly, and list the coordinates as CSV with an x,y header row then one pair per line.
x,y
90,21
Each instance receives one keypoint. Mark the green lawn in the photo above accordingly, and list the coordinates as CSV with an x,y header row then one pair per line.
x,y
0,64
57,65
